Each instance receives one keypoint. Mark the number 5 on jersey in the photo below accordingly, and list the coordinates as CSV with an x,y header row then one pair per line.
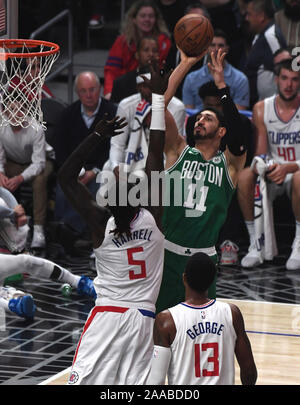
x,y
136,273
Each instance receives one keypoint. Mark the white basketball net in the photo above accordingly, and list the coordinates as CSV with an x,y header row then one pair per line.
x,y
21,82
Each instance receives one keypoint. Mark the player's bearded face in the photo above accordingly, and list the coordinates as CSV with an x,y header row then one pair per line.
x,y
205,127
288,85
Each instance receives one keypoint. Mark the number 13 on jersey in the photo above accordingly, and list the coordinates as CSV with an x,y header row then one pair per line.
x,y
213,349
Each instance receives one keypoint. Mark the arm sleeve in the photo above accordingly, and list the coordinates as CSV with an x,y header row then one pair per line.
x,y
159,365
235,136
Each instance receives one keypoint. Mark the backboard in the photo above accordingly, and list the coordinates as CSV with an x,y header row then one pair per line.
x,y
9,19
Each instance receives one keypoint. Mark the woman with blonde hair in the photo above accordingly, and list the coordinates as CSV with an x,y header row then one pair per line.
x,y
142,19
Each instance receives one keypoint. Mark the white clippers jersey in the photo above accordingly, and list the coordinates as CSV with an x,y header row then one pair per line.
x,y
283,137
129,269
203,348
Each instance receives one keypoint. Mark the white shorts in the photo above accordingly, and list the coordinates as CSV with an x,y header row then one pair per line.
x,y
115,347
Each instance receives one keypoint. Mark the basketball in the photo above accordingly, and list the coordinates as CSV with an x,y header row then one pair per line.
x,y
193,34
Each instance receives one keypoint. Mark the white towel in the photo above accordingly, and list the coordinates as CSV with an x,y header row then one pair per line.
x,y
265,238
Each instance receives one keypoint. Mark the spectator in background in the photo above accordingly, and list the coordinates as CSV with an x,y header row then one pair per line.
x,y
280,55
29,82
142,19
172,11
268,39
235,79
226,16
125,85
131,147
288,20
23,159
77,122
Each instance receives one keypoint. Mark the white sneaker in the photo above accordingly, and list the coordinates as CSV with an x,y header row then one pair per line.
x,y
38,239
293,262
252,258
229,255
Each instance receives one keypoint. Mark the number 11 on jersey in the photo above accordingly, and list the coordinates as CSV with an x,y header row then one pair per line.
x,y
191,202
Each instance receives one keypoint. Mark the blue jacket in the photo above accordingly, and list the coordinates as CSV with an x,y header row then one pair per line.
x,y
234,79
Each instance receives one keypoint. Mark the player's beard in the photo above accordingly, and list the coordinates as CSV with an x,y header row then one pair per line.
x,y
205,136
291,98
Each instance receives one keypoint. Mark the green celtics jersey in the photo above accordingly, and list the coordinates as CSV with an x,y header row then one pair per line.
x,y
197,196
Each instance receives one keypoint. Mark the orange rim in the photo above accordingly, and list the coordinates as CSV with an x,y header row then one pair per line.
x,y
30,43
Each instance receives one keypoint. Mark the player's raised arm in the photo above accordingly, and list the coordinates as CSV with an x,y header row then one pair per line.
x,y
76,192
175,142
179,73
155,159
235,137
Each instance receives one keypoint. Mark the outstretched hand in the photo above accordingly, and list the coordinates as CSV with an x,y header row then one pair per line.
x,y
216,67
109,128
159,78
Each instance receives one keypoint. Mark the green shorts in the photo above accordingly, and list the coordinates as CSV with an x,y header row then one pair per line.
x,y
172,290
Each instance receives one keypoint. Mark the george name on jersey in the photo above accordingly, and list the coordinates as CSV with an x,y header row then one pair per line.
x,y
205,327
193,169
140,234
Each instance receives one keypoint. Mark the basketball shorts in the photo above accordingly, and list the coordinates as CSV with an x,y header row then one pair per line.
x,y
115,347
172,290
276,190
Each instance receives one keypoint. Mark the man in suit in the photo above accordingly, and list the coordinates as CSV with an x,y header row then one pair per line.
x,y
76,123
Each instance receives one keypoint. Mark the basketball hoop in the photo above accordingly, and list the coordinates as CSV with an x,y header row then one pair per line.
x,y
24,65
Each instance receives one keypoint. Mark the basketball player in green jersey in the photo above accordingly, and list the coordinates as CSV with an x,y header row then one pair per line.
x,y
201,183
